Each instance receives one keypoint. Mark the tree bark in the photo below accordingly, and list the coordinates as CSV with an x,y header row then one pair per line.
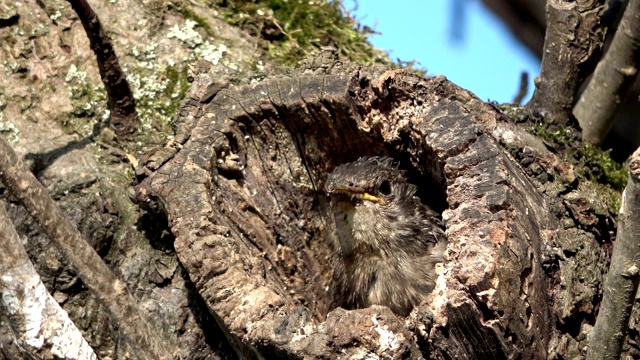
x,y
146,342
572,47
124,116
242,189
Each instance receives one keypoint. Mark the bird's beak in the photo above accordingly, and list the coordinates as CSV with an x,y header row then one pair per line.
x,y
358,193
374,199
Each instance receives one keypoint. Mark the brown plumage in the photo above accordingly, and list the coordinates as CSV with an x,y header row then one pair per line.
x,y
386,241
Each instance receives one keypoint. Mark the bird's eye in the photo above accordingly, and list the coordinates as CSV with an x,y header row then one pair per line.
x,y
385,187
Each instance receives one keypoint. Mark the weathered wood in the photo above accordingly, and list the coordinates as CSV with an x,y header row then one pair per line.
x,y
242,191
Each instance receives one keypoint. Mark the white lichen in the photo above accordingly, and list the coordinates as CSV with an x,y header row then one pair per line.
x,y
202,49
187,34
73,73
55,16
11,66
388,340
9,130
210,52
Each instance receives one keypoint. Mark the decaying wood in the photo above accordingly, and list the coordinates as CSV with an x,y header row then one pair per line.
x,y
241,186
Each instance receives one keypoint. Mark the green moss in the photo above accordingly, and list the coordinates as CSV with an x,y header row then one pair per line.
x,y
293,30
591,162
177,87
604,168
188,13
88,102
158,89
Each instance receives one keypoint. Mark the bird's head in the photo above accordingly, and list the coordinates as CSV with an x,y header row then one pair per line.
x,y
376,180
372,203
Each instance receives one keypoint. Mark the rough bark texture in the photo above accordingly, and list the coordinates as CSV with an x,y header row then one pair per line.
x,y
240,188
52,99
50,105
572,46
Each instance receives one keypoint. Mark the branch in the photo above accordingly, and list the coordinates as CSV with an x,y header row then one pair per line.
x,y
572,46
621,283
147,341
523,89
43,330
612,78
124,117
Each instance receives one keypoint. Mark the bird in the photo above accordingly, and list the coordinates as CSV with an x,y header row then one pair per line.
x,y
386,242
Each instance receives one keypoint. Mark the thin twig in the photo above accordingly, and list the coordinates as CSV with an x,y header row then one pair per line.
x,y
523,89
124,117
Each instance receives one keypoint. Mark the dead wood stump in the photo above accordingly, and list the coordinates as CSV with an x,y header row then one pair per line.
x,y
241,186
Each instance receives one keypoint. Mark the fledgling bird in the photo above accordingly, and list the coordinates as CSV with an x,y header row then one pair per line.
x,y
386,241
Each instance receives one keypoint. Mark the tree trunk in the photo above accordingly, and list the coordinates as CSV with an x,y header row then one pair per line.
x,y
242,189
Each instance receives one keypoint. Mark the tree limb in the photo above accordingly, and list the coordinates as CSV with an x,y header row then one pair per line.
x,y
124,117
146,340
621,283
573,44
42,328
525,19
612,79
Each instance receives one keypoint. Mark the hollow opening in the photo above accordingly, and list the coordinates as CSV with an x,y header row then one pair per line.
x,y
294,148
307,267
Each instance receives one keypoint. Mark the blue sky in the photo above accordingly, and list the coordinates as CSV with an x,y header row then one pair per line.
x,y
485,58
